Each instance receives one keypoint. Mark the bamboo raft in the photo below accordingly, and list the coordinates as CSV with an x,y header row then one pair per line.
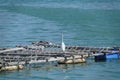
x,y
44,52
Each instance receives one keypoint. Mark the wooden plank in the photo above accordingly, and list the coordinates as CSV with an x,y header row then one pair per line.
x,y
11,49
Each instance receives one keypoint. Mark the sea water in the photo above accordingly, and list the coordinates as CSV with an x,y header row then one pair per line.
x,y
94,23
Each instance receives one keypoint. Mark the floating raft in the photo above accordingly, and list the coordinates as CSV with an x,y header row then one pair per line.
x,y
44,52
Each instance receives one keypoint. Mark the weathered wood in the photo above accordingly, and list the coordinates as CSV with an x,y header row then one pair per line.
x,y
11,49
41,52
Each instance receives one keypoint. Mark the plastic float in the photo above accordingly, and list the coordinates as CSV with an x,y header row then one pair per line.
x,y
106,56
71,61
10,68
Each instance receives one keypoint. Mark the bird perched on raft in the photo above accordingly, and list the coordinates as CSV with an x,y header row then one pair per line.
x,y
63,45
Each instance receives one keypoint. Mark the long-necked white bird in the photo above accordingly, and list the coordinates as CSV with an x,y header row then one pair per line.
x,y
63,45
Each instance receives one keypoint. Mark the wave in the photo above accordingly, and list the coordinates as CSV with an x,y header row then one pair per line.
x,y
82,4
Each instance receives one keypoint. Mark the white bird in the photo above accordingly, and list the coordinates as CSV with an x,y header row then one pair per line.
x,y
63,45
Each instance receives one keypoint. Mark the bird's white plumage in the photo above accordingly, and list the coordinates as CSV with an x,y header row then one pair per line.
x,y
63,45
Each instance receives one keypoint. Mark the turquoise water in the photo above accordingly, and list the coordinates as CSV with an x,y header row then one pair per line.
x,y
83,22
